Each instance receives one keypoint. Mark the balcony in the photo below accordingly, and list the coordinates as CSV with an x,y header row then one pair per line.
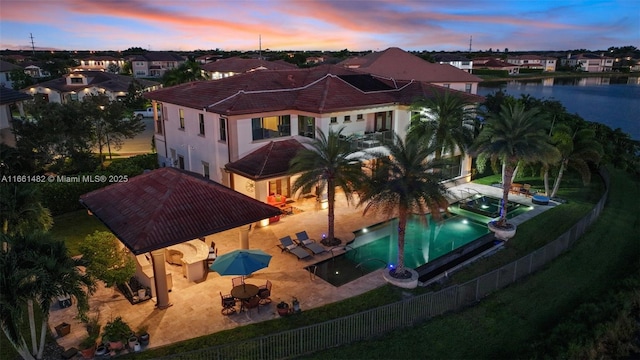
x,y
371,140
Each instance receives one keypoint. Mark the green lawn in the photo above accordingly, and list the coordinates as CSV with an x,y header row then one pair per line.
x,y
514,322
73,227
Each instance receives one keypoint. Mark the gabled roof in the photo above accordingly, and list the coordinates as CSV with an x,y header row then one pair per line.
x,y
169,206
240,65
398,64
105,80
493,63
321,89
10,96
269,161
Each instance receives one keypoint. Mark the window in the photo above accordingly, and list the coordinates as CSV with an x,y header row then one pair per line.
x,y
73,97
446,85
360,117
271,127
307,126
334,119
347,118
223,129
181,114
467,88
453,169
205,170
181,162
76,80
201,123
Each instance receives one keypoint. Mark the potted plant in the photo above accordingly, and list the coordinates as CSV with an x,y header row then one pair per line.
x,y
143,335
88,347
88,344
283,308
117,332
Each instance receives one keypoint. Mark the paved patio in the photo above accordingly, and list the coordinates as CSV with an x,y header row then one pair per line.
x,y
195,309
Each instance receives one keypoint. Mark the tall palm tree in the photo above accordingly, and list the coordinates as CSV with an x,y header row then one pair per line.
x,y
447,120
511,136
21,210
578,148
404,183
330,163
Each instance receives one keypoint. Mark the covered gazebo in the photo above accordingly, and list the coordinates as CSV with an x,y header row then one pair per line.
x,y
168,206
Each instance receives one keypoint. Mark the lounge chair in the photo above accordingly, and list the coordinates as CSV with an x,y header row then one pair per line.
x,y
304,241
286,244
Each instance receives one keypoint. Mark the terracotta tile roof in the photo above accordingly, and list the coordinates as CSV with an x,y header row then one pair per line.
x,y
240,65
105,80
9,96
398,64
493,63
168,206
320,89
269,161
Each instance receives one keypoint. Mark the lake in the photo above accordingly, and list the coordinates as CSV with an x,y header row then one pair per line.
x,y
613,101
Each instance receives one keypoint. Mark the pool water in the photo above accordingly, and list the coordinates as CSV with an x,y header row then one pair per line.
x,y
376,247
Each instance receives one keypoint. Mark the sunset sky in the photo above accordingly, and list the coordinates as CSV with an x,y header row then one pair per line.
x,y
319,25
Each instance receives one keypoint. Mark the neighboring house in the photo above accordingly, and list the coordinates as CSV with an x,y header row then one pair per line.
x,y
495,64
75,86
154,64
205,59
546,63
397,64
456,60
242,130
100,63
5,73
35,70
10,103
315,60
589,62
233,66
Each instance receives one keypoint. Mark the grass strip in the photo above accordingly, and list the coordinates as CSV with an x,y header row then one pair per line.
x,y
509,323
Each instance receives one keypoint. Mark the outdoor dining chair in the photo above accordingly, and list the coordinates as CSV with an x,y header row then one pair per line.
x,y
228,304
237,281
264,292
251,303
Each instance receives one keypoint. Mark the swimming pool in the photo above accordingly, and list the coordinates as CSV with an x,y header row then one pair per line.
x,y
376,247
485,208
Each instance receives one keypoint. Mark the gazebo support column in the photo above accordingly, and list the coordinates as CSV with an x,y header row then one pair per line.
x,y
244,237
160,279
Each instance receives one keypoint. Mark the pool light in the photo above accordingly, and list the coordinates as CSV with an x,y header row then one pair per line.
x,y
365,230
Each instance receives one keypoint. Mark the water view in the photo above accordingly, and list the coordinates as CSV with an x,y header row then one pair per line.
x,y
612,101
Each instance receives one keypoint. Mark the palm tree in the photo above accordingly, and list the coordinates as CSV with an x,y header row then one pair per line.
x,y
447,120
21,210
330,163
47,272
511,136
578,148
402,183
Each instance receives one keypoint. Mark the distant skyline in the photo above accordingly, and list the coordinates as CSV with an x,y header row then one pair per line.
x,y
441,25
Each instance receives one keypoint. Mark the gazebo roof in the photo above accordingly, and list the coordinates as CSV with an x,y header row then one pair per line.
x,y
169,206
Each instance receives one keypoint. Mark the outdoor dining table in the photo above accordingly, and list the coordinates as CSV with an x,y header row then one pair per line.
x,y
244,291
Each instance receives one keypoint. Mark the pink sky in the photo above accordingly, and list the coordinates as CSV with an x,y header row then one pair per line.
x,y
319,25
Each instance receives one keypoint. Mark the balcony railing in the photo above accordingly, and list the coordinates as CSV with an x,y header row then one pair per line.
x,y
371,140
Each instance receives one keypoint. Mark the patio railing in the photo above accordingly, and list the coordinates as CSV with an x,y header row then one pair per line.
x,y
381,320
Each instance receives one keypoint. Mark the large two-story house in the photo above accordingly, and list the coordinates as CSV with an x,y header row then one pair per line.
x,y
101,63
243,130
78,84
545,63
589,62
459,61
154,64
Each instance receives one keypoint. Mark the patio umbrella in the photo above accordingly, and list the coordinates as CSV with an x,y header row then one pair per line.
x,y
241,262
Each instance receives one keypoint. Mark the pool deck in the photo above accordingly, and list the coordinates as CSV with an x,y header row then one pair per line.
x,y
195,309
